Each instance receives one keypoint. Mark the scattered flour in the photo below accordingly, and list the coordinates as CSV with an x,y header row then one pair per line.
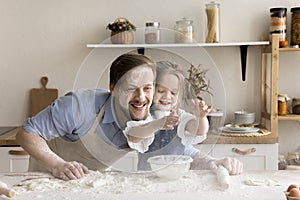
x,y
120,183
123,186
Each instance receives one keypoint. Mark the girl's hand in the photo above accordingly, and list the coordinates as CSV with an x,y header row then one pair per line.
x,y
171,121
203,108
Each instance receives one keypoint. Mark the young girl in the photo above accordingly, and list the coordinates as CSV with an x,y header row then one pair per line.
x,y
176,129
169,121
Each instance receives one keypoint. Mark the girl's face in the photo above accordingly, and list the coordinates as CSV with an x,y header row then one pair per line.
x,y
166,93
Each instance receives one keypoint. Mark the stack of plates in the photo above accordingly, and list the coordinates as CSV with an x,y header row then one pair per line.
x,y
231,128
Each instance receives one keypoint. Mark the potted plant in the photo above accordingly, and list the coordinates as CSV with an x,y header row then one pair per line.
x,y
121,31
199,84
198,81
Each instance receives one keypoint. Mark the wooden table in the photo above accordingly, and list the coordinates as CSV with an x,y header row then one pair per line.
x,y
196,185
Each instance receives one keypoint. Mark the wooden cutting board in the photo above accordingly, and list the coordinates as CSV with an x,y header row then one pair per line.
x,y
42,97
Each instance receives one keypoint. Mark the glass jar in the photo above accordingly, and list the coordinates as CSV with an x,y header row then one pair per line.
x,y
295,26
152,33
213,22
281,162
184,31
296,106
278,25
283,104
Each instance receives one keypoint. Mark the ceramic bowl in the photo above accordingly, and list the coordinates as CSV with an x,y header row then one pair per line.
x,y
244,117
170,167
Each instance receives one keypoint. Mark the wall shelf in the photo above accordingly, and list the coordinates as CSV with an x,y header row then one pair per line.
x,y
289,117
288,49
223,44
141,47
268,49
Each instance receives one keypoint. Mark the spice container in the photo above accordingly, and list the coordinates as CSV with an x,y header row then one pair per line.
x,y
152,33
278,25
283,104
213,22
295,26
184,31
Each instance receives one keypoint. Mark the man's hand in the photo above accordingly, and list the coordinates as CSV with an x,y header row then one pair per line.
x,y
69,170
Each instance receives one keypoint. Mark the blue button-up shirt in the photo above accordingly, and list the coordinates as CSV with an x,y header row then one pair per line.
x,y
72,115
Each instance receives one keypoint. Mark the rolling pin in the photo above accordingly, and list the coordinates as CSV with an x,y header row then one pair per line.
x,y
6,191
223,177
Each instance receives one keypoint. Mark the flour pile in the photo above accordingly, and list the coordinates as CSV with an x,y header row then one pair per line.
x,y
120,183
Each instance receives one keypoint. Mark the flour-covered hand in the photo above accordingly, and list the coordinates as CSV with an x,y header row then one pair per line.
x,y
233,165
69,170
171,121
201,107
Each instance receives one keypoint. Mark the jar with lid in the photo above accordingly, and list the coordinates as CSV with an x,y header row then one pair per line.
x,y
281,162
295,26
278,25
213,22
296,106
152,33
283,104
184,31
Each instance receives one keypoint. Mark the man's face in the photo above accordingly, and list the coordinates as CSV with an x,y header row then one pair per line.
x,y
134,92
166,93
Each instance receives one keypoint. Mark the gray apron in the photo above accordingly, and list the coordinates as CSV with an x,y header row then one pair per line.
x,y
90,150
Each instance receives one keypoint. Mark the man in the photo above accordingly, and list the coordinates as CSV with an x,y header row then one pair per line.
x,y
72,116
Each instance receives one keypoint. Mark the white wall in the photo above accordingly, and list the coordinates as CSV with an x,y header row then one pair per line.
x,y
43,37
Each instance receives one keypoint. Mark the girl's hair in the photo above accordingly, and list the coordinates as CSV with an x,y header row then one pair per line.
x,y
125,63
167,67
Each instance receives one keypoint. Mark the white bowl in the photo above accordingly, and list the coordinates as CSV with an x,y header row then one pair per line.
x,y
170,167
244,117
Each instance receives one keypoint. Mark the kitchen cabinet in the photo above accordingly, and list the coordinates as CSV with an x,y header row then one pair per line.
x,y
13,159
269,86
253,156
